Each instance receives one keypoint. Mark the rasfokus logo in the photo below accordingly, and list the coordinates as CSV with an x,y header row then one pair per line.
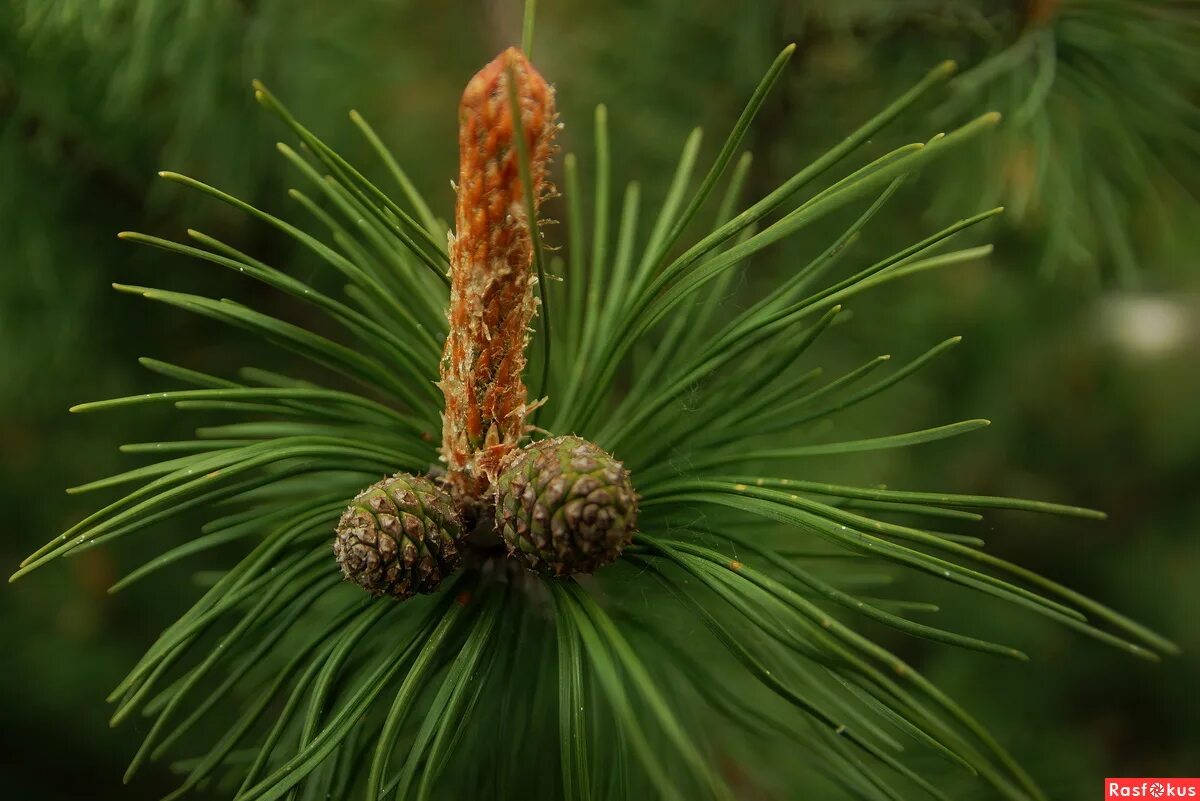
x,y
1151,788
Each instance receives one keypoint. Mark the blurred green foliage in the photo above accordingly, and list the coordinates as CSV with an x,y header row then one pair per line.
x,y
1094,389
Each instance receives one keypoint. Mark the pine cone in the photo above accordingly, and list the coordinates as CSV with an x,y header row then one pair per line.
x,y
565,506
400,536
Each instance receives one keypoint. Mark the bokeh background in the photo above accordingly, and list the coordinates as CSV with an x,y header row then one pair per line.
x,y
1082,329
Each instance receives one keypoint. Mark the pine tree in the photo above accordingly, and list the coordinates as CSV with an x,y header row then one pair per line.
x,y
699,593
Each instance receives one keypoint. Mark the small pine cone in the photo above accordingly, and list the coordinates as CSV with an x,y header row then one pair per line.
x,y
400,536
565,506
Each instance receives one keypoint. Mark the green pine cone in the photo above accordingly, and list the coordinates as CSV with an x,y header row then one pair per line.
x,y
565,506
399,537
